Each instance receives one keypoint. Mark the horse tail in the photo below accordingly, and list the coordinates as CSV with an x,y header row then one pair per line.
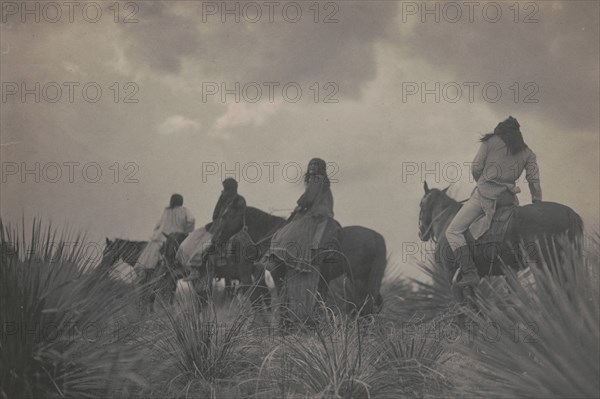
x,y
575,231
377,270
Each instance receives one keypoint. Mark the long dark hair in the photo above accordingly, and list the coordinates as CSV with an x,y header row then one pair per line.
x,y
510,133
320,173
176,200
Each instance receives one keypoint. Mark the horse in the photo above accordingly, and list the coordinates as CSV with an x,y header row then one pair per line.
x,y
168,271
161,280
122,250
190,255
362,254
539,228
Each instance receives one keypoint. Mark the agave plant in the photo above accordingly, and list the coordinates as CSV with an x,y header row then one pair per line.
x,y
62,319
541,340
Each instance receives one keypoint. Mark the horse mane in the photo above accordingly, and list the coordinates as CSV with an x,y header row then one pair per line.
x,y
127,250
126,241
445,199
263,222
257,214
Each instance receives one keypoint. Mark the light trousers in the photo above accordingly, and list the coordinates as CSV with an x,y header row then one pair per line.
x,y
470,211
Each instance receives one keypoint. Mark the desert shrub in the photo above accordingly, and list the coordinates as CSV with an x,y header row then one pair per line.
x,y
62,320
541,339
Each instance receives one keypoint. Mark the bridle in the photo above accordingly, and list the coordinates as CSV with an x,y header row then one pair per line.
x,y
434,219
248,237
430,226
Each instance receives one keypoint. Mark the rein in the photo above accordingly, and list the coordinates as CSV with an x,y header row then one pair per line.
x,y
244,230
437,217
431,224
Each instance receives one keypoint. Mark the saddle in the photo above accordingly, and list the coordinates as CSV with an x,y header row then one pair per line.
x,y
498,226
491,244
326,250
492,228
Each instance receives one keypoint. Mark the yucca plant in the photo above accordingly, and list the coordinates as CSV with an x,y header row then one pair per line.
x,y
410,357
61,319
346,357
329,362
200,347
542,341
411,300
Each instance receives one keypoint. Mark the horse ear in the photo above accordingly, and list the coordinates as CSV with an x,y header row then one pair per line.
x,y
426,188
107,242
446,189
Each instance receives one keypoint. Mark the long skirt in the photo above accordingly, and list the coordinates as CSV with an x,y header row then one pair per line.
x,y
296,244
192,248
150,256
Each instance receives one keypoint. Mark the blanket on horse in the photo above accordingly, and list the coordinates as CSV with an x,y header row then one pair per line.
x,y
494,230
514,229
191,250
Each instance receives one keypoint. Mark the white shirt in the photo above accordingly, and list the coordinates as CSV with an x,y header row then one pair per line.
x,y
175,220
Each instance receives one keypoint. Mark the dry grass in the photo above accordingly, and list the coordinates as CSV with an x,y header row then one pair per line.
x,y
414,349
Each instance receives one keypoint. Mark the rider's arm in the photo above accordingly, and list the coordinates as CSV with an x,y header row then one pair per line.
x,y
190,221
479,161
313,187
532,174
218,207
159,222
240,202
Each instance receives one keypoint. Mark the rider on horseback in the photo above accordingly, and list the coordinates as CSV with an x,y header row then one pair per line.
x,y
175,219
193,250
311,226
500,161
228,195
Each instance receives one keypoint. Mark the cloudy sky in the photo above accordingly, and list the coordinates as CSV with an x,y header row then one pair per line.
x,y
388,93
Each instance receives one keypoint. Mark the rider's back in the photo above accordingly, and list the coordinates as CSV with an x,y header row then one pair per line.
x,y
499,170
176,220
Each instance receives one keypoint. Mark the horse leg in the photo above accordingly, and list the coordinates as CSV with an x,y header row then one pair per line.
x,y
147,294
371,294
258,292
228,288
323,288
278,274
170,289
202,286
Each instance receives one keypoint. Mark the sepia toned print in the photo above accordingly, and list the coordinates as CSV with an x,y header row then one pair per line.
x,y
324,199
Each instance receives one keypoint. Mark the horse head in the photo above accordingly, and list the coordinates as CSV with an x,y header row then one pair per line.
x,y
110,255
119,249
428,203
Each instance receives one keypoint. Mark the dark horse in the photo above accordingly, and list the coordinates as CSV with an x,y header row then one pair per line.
x,y
124,250
168,272
363,260
161,281
534,229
